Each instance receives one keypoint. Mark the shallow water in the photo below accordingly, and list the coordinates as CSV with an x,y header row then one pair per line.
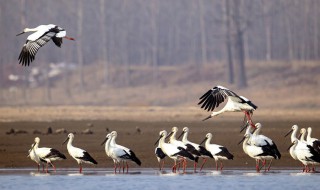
x,y
153,179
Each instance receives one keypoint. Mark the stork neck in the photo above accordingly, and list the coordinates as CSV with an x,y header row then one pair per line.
x,y
185,137
31,29
70,142
36,145
173,136
207,143
309,134
245,143
112,141
294,135
302,138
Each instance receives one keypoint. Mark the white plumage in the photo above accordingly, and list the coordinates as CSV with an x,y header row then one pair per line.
x,y
315,143
215,96
34,157
172,151
262,141
259,153
195,149
120,153
42,34
218,152
46,155
81,156
305,154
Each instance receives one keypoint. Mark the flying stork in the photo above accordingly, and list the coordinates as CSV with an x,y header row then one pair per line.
x,y
42,34
218,94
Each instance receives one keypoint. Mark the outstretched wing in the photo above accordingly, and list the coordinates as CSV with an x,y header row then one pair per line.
x,y
215,96
32,45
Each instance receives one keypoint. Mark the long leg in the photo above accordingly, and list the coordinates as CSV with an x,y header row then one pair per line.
x,y
204,161
249,119
257,165
221,165
127,166
269,164
80,171
161,168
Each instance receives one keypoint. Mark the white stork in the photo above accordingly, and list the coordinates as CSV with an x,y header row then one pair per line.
x,y
259,153
260,140
42,34
217,151
46,155
315,143
191,146
215,96
305,154
81,156
33,156
160,156
172,151
173,140
121,153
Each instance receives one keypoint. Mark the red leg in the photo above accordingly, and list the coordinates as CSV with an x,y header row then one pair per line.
x,y
269,164
195,166
80,168
127,167
47,167
257,165
38,168
221,165
204,161
115,167
249,119
162,165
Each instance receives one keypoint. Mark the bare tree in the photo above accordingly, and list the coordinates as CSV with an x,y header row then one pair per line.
x,y
79,43
103,42
239,46
203,33
228,43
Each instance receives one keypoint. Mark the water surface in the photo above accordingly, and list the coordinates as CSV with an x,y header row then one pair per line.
x,y
153,179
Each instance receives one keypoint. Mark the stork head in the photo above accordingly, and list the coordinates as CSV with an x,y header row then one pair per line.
x,y
27,30
105,140
70,136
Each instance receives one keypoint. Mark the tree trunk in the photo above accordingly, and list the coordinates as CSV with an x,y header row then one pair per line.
x,y
103,43
228,42
240,53
79,44
203,33
154,16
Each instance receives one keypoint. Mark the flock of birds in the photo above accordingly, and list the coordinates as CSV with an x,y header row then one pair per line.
x,y
255,145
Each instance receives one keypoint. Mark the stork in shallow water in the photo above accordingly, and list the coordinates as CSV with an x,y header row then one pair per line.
x,y
46,155
81,156
42,34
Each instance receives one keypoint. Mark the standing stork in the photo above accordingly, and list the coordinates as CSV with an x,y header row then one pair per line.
x,y
260,140
42,34
173,140
315,143
33,156
121,153
172,151
204,153
81,156
218,94
47,155
217,151
259,153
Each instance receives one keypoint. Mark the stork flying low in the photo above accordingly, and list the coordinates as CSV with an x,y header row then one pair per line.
x,y
42,35
215,96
